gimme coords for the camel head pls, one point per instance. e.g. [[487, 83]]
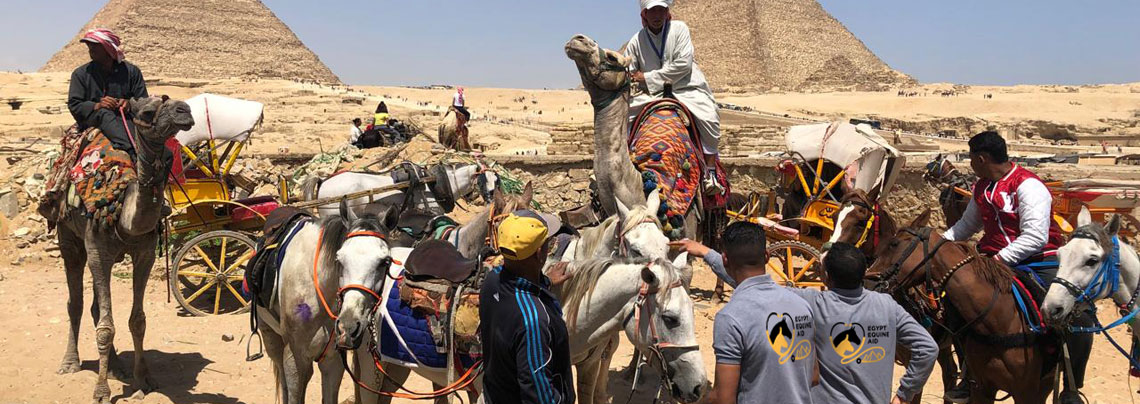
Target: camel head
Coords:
[[602, 70], [160, 118]]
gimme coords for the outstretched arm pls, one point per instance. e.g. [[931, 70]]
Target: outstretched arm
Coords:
[[711, 257]]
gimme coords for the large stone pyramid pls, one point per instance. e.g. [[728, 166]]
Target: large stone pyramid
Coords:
[[205, 39], [780, 44]]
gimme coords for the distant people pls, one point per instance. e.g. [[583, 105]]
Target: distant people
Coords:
[[662, 52], [857, 332], [763, 337], [99, 90], [355, 133], [381, 115]]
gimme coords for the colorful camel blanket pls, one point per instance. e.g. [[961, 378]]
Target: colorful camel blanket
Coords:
[[70, 146], [669, 160], [99, 179]]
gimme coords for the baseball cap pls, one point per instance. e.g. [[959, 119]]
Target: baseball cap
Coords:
[[523, 232], [648, 4]]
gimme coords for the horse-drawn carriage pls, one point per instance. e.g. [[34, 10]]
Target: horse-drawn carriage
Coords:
[[825, 162]]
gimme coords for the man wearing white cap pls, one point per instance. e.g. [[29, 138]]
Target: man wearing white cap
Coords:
[[662, 52]]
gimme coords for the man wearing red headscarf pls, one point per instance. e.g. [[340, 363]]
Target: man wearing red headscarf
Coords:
[[97, 97]]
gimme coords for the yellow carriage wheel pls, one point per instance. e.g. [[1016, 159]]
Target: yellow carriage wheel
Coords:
[[795, 263], [208, 272]]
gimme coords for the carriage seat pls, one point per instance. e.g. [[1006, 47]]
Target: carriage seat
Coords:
[[437, 259], [258, 206]]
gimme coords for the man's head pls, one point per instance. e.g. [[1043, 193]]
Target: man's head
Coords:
[[845, 265], [988, 155], [103, 46], [522, 238], [356, 121], [655, 13], [744, 250]]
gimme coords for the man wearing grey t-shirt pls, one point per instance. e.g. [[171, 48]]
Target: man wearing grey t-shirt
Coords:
[[763, 338]]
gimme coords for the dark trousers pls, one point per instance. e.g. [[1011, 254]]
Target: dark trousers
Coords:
[[1080, 345], [464, 111], [111, 123]]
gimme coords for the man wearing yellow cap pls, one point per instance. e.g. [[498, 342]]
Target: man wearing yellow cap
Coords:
[[526, 349]]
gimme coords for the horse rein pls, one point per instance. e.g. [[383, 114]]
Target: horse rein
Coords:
[[652, 339]]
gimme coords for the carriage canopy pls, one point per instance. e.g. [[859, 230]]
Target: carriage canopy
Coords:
[[869, 160], [220, 118]]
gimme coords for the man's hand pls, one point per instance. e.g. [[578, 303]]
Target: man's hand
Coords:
[[692, 247], [898, 400], [108, 103], [638, 77]]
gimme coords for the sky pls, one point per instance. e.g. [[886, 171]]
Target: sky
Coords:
[[518, 43]]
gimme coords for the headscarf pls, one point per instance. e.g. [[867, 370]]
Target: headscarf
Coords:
[[459, 100], [108, 39]]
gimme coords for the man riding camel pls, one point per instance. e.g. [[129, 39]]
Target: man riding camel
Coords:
[[99, 90], [662, 53], [1014, 210]]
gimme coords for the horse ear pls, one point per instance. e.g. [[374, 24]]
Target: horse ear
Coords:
[[653, 202], [527, 195], [874, 194], [922, 220], [623, 211], [1113, 225], [1085, 217], [391, 217], [345, 212], [497, 198], [649, 277]]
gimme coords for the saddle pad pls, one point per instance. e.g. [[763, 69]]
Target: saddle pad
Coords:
[[414, 330], [70, 146], [100, 177], [663, 151]]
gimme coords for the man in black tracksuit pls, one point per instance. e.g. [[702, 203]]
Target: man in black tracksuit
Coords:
[[526, 349]]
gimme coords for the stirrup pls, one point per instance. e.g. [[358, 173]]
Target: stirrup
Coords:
[[260, 347]]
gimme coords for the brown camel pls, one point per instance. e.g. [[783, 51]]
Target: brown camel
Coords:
[[86, 241], [453, 131]]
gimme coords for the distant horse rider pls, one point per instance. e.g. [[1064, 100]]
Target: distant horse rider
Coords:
[[99, 90], [662, 52]]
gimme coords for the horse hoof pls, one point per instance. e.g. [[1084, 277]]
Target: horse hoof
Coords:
[[144, 385], [68, 366]]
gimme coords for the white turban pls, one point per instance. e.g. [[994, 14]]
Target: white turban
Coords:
[[648, 4]]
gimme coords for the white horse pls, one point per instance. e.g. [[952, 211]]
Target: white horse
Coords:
[[1090, 264], [665, 324], [298, 326], [464, 180]]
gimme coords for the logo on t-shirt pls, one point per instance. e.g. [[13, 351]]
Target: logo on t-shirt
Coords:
[[788, 336], [854, 343]]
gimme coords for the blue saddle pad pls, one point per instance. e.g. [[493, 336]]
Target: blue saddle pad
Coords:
[[414, 329]]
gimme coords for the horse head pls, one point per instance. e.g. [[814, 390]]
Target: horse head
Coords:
[[855, 220], [475, 179], [898, 262], [363, 256], [638, 232], [665, 330], [1088, 264]]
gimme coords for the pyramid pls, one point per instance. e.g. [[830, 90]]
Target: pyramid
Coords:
[[766, 45], [201, 39]]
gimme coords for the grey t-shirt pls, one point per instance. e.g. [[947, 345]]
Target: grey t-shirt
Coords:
[[768, 331], [856, 334]]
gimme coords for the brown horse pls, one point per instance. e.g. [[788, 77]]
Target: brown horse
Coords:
[[969, 297], [942, 174], [857, 210]]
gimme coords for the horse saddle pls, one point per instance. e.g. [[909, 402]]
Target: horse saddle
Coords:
[[422, 225], [261, 272], [437, 259]]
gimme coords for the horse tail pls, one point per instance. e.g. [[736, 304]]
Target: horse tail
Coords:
[[310, 187]]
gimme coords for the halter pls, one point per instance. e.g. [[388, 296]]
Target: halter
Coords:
[[157, 180], [384, 264], [921, 235], [605, 66], [870, 222], [619, 236], [1106, 278], [652, 339]]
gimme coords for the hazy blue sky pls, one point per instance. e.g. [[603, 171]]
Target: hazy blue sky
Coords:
[[518, 43]]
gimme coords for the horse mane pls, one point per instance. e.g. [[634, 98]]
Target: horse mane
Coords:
[[335, 230], [581, 283], [992, 271]]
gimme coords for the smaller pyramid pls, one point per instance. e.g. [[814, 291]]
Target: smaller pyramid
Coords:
[[201, 39]]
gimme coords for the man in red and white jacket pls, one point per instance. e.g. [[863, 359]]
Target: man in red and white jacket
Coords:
[[1014, 209]]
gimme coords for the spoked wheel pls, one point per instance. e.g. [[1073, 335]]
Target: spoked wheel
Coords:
[[208, 272], [795, 263]]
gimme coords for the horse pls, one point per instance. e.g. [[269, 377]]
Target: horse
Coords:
[[462, 181], [941, 173], [664, 324], [863, 222], [970, 297], [339, 260]]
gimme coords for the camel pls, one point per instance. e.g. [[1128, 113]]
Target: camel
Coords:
[[84, 241], [453, 133]]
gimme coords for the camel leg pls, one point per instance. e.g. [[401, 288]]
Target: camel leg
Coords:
[[332, 373], [718, 291], [117, 370], [142, 259], [99, 263], [298, 371], [74, 260]]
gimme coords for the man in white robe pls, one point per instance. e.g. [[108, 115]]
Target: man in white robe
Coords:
[[662, 52]]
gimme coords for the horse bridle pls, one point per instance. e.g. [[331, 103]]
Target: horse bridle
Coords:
[[384, 266], [653, 340], [619, 235], [1107, 276], [870, 221]]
